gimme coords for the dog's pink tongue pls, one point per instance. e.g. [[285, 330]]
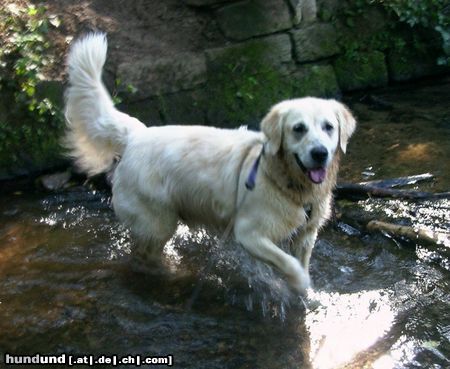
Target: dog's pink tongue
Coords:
[[317, 175]]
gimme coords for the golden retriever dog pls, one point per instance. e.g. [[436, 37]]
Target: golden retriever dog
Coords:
[[271, 186]]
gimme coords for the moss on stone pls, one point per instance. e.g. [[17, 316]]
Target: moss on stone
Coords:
[[316, 80], [314, 42], [243, 85], [361, 70], [246, 19]]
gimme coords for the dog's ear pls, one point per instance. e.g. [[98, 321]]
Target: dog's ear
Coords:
[[347, 125], [271, 126]]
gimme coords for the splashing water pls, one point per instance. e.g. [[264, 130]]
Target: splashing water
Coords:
[[225, 266], [243, 279]]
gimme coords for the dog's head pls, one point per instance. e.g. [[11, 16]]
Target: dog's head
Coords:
[[309, 130]]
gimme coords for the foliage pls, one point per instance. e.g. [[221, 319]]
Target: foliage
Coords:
[[118, 91], [28, 118], [427, 15], [432, 14]]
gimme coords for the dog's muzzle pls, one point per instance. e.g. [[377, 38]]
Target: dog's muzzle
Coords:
[[316, 175]]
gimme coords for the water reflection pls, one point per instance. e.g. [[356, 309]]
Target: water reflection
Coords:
[[344, 325], [401, 352]]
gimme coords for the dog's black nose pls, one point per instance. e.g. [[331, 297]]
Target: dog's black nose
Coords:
[[319, 154]]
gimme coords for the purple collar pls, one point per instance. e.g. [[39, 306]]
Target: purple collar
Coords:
[[251, 179]]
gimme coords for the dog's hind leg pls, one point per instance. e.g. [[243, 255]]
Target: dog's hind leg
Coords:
[[147, 254], [152, 224]]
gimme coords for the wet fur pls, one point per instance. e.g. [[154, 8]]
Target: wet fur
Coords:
[[197, 174]]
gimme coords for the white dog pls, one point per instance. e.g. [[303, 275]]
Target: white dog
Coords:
[[271, 186]]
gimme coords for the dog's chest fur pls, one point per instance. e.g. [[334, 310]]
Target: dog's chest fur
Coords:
[[274, 215], [291, 208]]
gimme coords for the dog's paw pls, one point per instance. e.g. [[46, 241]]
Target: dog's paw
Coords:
[[299, 279]]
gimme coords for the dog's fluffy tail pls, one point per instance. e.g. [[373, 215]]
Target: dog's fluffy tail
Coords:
[[96, 131]]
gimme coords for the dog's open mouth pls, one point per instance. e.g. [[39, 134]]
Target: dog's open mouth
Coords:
[[316, 175]]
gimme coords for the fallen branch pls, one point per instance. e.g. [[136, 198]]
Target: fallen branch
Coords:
[[400, 181], [415, 234], [357, 191]]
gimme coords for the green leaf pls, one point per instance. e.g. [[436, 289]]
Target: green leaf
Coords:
[[32, 11], [131, 89], [30, 90]]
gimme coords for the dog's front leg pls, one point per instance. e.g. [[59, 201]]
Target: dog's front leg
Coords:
[[304, 239], [264, 249], [302, 245]]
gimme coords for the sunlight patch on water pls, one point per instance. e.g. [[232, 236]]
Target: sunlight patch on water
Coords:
[[170, 250], [403, 351], [70, 217], [120, 242], [424, 152], [50, 220], [344, 325], [434, 256], [434, 215]]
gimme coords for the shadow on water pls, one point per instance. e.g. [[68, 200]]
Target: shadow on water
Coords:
[[67, 285]]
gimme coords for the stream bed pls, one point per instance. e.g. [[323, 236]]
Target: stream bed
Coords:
[[67, 285]]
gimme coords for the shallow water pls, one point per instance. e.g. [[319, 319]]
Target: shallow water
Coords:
[[67, 285]]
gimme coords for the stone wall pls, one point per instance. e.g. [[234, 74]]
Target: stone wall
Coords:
[[288, 48], [222, 62]]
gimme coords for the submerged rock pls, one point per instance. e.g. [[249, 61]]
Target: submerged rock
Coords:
[[55, 181]]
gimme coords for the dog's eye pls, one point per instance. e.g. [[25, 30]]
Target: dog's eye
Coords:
[[328, 127], [299, 128]]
